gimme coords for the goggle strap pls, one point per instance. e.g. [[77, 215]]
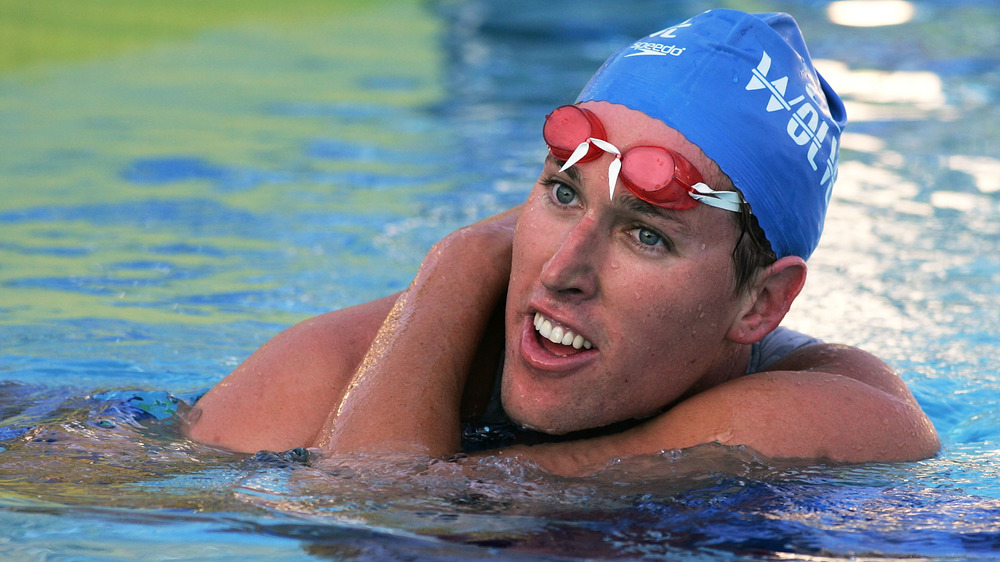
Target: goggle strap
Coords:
[[605, 146], [616, 165], [725, 200], [578, 154], [613, 170]]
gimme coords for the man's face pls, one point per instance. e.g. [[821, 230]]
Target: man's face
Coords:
[[648, 290]]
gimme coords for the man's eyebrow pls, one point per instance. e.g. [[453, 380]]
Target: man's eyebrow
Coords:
[[627, 201], [633, 204], [572, 172]]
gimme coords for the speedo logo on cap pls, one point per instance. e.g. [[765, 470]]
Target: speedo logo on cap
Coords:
[[805, 126], [659, 49]]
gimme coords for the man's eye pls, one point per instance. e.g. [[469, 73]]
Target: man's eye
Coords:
[[648, 237], [564, 193]]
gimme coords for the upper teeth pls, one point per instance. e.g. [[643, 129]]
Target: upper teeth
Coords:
[[558, 334]]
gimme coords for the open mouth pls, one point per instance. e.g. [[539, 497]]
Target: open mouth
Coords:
[[559, 335]]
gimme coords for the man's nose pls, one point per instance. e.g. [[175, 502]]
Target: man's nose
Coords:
[[572, 269]]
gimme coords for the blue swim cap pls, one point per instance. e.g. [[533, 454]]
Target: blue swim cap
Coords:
[[743, 88]]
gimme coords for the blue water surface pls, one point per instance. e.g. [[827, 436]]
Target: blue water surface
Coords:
[[168, 209]]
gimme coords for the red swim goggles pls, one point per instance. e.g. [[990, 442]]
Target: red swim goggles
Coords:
[[653, 173]]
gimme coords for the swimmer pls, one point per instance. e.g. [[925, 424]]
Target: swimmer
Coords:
[[631, 305]]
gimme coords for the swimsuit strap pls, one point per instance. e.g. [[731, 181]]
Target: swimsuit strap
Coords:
[[775, 346]]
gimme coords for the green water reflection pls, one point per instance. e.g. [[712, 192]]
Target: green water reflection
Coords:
[[95, 93], [67, 30]]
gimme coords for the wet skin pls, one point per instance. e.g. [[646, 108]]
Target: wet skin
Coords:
[[650, 291], [650, 288]]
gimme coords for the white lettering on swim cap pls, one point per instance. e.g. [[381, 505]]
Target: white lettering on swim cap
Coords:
[[804, 124], [659, 49], [646, 48], [668, 33]]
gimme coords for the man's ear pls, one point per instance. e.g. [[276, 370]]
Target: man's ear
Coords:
[[768, 300]]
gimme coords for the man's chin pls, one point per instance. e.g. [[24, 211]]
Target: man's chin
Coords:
[[543, 429], [552, 417], [532, 423], [573, 428], [543, 424]]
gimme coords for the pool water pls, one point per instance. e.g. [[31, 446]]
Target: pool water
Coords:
[[169, 204]]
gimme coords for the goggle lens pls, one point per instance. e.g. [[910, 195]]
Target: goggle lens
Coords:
[[568, 126], [652, 173]]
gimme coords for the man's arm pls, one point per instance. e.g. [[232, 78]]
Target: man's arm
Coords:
[[287, 394], [406, 395], [280, 397], [822, 402]]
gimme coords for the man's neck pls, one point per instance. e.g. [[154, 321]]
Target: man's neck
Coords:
[[732, 364]]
